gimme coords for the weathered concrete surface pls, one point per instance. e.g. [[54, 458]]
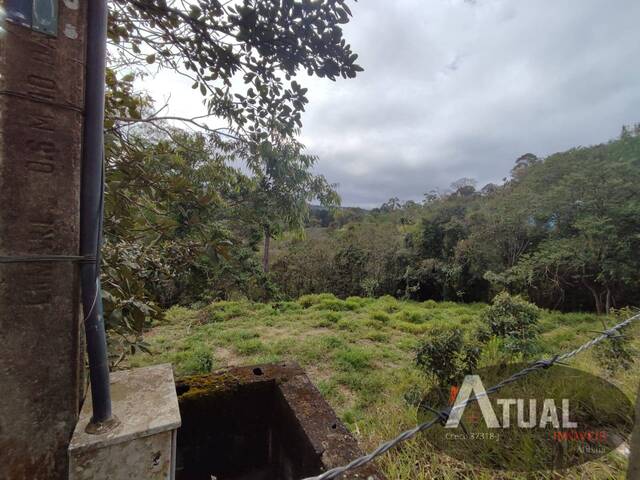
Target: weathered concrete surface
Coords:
[[140, 447], [261, 422], [41, 101]]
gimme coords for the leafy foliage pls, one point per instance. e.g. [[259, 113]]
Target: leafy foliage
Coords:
[[561, 232], [263, 43], [444, 353], [183, 223], [515, 320]]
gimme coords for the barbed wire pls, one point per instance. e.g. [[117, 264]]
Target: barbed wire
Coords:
[[444, 414]]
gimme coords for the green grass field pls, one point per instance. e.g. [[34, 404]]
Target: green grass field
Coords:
[[360, 354]]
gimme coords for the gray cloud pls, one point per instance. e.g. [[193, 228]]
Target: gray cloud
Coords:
[[460, 89]]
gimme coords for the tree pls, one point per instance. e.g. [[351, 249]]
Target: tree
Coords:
[[563, 236], [180, 222], [285, 188], [464, 187], [263, 44], [587, 206], [176, 227], [523, 163]]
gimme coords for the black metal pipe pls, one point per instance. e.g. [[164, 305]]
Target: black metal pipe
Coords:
[[91, 201]]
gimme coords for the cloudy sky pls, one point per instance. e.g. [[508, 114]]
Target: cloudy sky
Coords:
[[457, 88]]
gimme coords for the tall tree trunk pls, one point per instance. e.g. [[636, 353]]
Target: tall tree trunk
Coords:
[[597, 298], [265, 254]]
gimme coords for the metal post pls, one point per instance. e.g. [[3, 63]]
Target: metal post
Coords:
[[91, 202]]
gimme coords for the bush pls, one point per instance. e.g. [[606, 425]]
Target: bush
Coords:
[[515, 320], [444, 354]]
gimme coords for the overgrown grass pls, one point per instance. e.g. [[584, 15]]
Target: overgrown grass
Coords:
[[360, 354]]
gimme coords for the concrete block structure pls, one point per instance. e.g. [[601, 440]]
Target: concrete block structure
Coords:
[[261, 422], [143, 444]]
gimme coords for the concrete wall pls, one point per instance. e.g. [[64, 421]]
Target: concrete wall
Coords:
[[41, 101]]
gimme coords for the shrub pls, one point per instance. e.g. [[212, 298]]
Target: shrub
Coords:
[[444, 354], [515, 320], [414, 396], [370, 286]]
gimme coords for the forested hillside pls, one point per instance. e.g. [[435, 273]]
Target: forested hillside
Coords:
[[183, 226], [564, 231]]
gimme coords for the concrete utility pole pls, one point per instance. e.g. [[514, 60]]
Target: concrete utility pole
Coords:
[[42, 52]]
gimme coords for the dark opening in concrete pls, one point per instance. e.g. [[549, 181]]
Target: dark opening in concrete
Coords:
[[265, 422]]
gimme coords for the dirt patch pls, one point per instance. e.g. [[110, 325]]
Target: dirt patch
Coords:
[[226, 357]]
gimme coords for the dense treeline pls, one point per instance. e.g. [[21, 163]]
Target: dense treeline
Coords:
[[564, 231]]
